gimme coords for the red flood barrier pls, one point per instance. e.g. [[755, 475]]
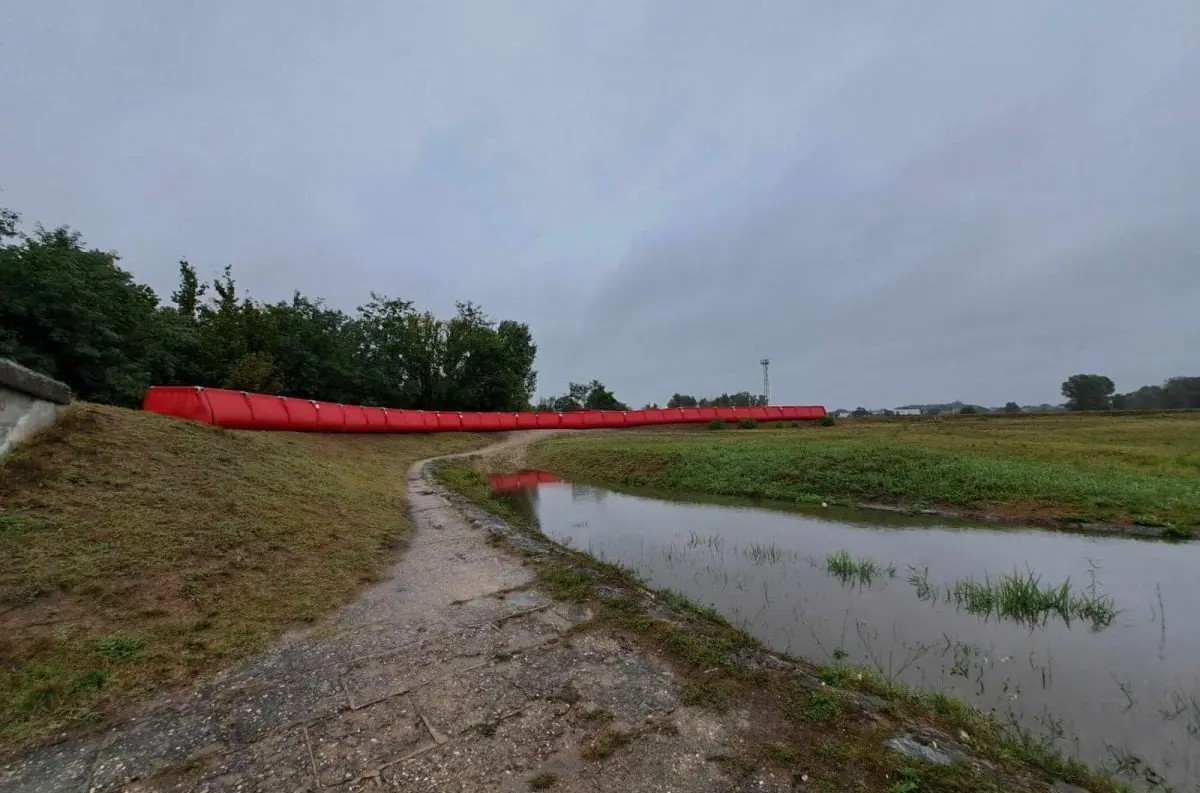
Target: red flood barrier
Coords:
[[240, 410]]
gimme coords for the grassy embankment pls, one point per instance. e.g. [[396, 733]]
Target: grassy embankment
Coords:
[[140, 552], [1054, 470], [810, 722]]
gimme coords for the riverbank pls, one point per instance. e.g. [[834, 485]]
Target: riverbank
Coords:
[[824, 727], [141, 553], [1135, 474]]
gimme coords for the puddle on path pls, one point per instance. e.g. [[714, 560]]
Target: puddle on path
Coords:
[[1125, 695]]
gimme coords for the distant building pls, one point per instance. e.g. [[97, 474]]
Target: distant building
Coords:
[[907, 411], [841, 414]]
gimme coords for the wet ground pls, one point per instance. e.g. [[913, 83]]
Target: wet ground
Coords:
[[1123, 693]]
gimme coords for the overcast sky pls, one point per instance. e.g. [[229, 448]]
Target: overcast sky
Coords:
[[896, 202]]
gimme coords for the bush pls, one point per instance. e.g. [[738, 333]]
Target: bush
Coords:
[[747, 424], [826, 421], [716, 424]]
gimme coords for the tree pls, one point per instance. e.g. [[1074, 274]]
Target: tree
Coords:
[[1012, 407], [1088, 392], [860, 411], [72, 313], [968, 410], [583, 396], [682, 401]]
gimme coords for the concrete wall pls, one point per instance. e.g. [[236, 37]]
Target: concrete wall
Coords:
[[28, 402]]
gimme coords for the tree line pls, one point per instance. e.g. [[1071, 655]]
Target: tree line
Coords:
[[741, 399], [1097, 392], [71, 312]]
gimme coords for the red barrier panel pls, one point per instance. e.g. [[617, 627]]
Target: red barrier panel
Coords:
[[302, 414], [572, 421], [376, 419], [612, 418], [240, 410], [184, 402], [268, 412], [330, 417], [548, 421], [230, 409], [521, 480], [449, 422], [404, 421], [592, 419], [356, 420]]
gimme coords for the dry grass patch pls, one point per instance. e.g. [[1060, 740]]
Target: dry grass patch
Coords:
[[141, 551]]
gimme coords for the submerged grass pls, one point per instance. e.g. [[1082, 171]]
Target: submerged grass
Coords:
[[1057, 470], [808, 719], [1021, 597], [861, 571], [141, 552]]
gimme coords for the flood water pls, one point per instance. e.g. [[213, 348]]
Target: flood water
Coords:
[[1125, 696]]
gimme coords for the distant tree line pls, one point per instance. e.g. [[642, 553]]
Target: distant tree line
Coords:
[[69, 311], [741, 399], [582, 396], [1097, 392]]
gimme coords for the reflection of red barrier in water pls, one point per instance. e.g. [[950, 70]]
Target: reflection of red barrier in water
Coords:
[[502, 483], [238, 410]]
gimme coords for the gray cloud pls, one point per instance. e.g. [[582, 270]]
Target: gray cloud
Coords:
[[895, 202]]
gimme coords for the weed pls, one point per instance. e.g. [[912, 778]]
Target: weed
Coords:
[[120, 649], [607, 743], [747, 424], [90, 681], [598, 716], [813, 706], [542, 781], [1023, 598], [862, 571], [502, 657], [784, 754], [836, 676], [486, 729], [909, 781], [718, 694], [716, 424], [826, 421]]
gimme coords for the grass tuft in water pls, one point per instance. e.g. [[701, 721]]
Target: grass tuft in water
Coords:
[[862, 571], [1023, 598]]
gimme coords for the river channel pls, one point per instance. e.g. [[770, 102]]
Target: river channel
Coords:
[[1123, 693]]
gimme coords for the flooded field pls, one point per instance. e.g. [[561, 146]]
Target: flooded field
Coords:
[[1090, 643]]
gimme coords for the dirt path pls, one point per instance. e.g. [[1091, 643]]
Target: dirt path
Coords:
[[455, 674]]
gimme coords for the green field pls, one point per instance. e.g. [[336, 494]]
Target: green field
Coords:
[[1054, 470]]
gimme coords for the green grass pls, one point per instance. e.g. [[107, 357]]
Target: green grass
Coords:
[[1021, 597], [1142, 469], [861, 571], [141, 552]]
